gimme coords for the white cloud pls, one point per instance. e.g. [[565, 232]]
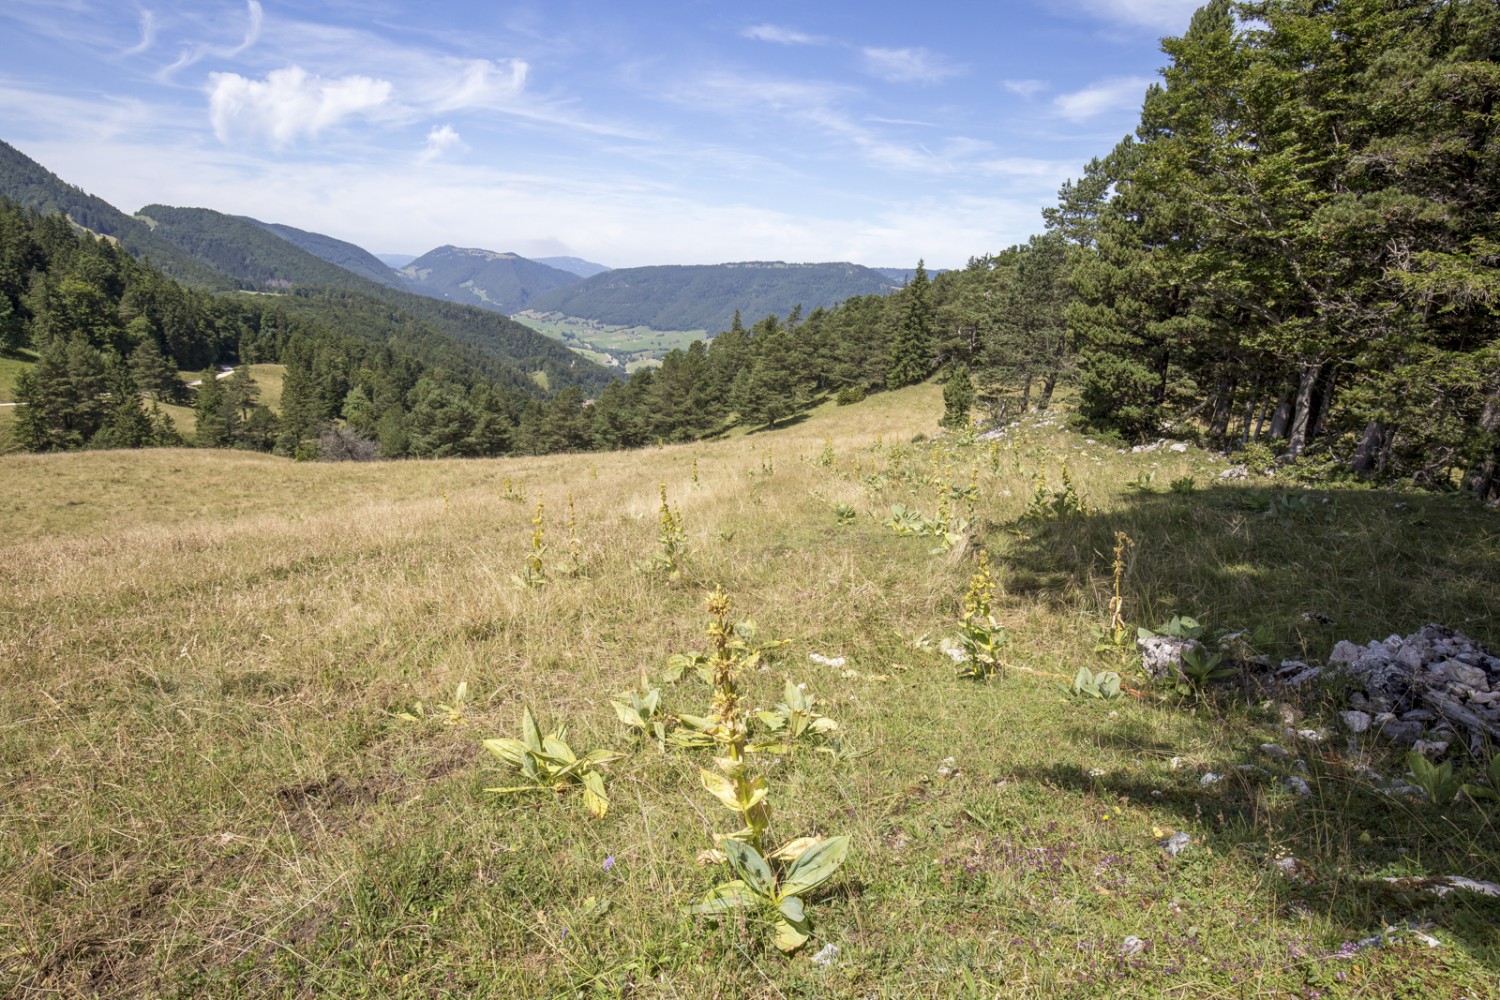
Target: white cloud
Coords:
[[481, 84], [289, 104], [252, 31], [1165, 15], [1115, 94], [442, 139], [780, 35], [148, 34], [908, 65], [1026, 88], [255, 17]]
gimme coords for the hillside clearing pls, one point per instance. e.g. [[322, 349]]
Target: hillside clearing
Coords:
[[208, 790]]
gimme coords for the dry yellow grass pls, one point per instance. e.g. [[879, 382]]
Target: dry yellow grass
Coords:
[[207, 792]]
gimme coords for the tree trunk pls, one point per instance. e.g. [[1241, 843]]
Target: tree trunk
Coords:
[[1369, 447], [1325, 402], [1282, 418], [1049, 382], [1302, 408], [1026, 394], [1484, 478], [1218, 424], [1249, 414]]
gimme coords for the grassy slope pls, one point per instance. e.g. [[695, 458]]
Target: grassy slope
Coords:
[[207, 794]]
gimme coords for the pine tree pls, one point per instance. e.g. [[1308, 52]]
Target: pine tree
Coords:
[[958, 399], [126, 422], [911, 353], [212, 424]]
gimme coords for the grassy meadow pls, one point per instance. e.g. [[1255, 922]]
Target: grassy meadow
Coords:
[[207, 790]]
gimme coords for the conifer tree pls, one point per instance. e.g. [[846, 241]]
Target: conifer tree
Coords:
[[911, 353]]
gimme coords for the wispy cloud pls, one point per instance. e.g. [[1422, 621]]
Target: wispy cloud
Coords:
[[255, 17], [1107, 95], [1026, 88], [148, 34], [482, 84], [781, 36], [908, 65], [288, 104]]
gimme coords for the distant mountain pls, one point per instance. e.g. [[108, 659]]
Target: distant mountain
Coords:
[[396, 261], [705, 296], [573, 265], [902, 275], [254, 254], [33, 186], [345, 255], [504, 282]]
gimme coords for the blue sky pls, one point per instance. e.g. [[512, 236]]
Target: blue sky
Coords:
[[629, 134]]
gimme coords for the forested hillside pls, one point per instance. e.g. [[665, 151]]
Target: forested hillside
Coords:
[[504, 282], [264, 259], [338, 252], [32, 186], [102, 339], [706, 296]]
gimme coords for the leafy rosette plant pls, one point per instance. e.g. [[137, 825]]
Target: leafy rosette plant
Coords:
[[549, 764], [792, 720], [757, 888], [641, 710]]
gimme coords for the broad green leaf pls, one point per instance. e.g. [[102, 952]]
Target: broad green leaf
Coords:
[[720, 788], [823, 724], [726, 897], [557, 750], [628, 715], [792, 909], [531, 733], [771, 720], [511, 751], [752, 794], [816, 866], [602, 757], [593, 794], [794, 849], [730, 767], [790, 936], [747, 863]]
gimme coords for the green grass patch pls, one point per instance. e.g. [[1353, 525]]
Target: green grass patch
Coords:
[[210, 792]]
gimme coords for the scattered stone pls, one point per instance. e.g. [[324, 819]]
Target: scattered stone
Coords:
[[827, 661], [1235, 472], [1435, 675], [1177, 843], [1179, 447], [1356, 721], [1132, 946], [1312, 735], [1441, 885], [1295, 869], [1432, 749], [826, 955], [1162, 655], [1275, 752], [1299, 785], [1210, 779]]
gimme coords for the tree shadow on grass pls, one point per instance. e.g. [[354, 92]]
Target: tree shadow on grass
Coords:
[[1315, 566], [1346, 839]]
